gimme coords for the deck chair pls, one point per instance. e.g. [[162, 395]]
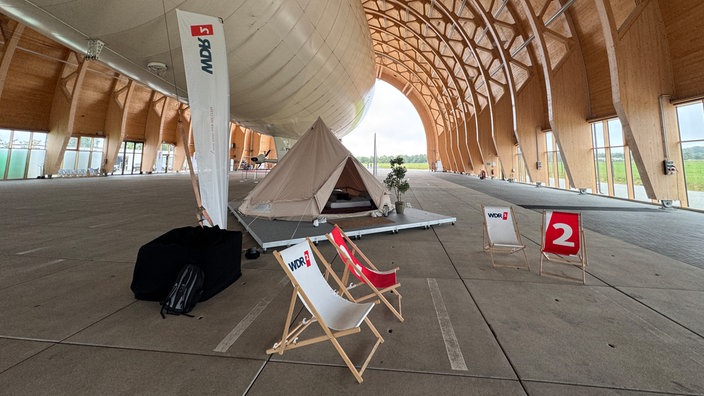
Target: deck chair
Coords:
[[379, 282], [563, 242], [501, 234], [335, 315]]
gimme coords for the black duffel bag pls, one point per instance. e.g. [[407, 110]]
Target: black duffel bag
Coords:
[[217, 252]]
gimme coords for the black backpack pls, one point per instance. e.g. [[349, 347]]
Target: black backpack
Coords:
[[186, 291]]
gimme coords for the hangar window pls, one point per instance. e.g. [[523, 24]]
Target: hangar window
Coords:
[[555, 166], [21, 154], [83, 156], [690, 118], [165, 159], [615, 171], [129, 158]]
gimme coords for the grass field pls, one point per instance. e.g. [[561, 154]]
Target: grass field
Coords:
[[423, 165], [694, 172]]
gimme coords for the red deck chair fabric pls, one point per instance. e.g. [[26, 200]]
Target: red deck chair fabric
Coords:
[[378, 281], [563, 242]]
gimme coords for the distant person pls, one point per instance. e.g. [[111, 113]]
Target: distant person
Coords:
[[482, 174]]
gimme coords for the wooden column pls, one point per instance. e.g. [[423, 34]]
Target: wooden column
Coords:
[[531, 119], [153, 131], [504, 137], [179, 152], [115, 121], [63, 111], [8, 53], [641, 77]]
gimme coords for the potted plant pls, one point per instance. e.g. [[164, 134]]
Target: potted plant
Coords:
[[396, 182]]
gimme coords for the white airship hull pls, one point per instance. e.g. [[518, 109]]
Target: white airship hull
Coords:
[[290, 61]]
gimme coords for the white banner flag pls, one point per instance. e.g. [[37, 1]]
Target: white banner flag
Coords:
[[205, 61]]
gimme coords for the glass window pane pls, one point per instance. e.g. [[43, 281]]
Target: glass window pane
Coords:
[[69, 160], [85, 143], [96, 160], [98, 144], [690, 118], [615, 132], [638, 189], [20, 140], [548, 141], [3, 161], [38, 140], [618, 168], [36, 163], [598, 134], [561, 175], [72, 143], [18, 162], [5, 138], [83, 157], [602, 176], [693, 154]]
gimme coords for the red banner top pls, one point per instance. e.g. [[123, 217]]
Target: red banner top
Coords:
[[201, 30]]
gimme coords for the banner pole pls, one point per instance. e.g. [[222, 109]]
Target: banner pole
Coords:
[[201, 214]]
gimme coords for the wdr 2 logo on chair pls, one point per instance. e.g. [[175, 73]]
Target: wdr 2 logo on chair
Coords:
[[299, 262], [562, 234], [497, 215]]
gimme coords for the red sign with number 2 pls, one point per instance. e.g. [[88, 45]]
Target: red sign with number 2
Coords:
[[562, 233]]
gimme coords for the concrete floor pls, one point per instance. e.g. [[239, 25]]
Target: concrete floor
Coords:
[[70, 324]]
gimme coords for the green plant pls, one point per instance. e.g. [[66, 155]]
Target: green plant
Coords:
[[396, 179]]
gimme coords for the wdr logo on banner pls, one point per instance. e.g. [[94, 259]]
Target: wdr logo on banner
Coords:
[[201, 30], [206, 55], [497, 215]]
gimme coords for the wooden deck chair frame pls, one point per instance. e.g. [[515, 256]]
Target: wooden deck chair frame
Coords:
[[578, 260], [492, 246], [290, 338], [363, 280]]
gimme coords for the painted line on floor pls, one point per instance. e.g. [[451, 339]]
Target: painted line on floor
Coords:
[[32, 250], [253, 314], [454, 353], [48, 263]]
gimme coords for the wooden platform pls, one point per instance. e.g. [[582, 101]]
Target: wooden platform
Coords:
[[275, 233]]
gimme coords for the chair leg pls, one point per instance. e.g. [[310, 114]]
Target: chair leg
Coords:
[[391, 307]]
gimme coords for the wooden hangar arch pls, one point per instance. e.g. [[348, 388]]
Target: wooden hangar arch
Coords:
[[490, 78]]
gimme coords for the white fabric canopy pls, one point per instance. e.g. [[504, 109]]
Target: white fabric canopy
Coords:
[[300, 184]]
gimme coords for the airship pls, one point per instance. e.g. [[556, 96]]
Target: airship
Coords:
[[289, 61]]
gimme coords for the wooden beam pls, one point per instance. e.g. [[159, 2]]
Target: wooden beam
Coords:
[[153, 131], [8, 52], [179, 151], [115, 121], [63, 112], [504, 137], [567, 103], [530, 112], [639, 80]]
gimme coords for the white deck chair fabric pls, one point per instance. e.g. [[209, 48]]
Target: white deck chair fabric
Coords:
[[500, 226], [335, 311], [501, 233]]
